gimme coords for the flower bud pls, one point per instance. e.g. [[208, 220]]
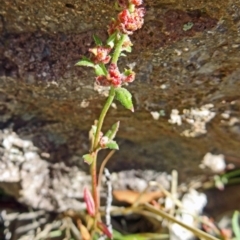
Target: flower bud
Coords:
[[88, 199], [103, 141], [101, 54]]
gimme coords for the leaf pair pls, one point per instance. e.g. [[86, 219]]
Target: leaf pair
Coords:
[[100, 69], [110, 143], [124, 97]]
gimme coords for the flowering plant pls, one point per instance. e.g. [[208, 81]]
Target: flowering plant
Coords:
[[104, 61]]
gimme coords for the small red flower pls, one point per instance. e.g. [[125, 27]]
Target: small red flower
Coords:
[[114, 77], [88, 199], [129, 78], [114, 71], [136, 2], [112, 27], [127, 21], [130, 22], [103, 81], [101, 54], [124, 16]]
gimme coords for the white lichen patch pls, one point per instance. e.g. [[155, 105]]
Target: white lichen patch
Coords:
[[226, 115], [175, 118], [193, 203], [196, 117], [84, 103], [34, 181], [155, 115], [215, 162], [233, 121]]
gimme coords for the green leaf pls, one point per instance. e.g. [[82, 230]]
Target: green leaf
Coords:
[[117, 6], [112, 145], [111, 133], [100, 70], [127, 72], [85, 62], [140, 236], [94, 129], [125, 98], [97, 40], [104, 69], [235, 224], [187, 26], [123, 55], [127, 49], [111, 40], [88, 158]]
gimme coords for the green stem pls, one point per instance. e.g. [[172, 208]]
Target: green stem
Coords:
[[93, 168], [94, 147], [118, 48], [102, 117], [111, 96]]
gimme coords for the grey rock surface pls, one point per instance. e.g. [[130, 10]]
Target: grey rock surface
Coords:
[[186, 95]]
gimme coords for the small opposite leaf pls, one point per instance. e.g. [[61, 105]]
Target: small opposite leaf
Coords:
[[85, 62], [124, 97], [127, 49], [127, 72], [111, 40], [111, 133], [235, 224], [104, 69], [123, 55], [94, 129], [88, 158], [97, 40], [83, 230], [112, 145], [100, 71]]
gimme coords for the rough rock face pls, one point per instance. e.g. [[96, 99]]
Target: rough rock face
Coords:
[[186, 94]]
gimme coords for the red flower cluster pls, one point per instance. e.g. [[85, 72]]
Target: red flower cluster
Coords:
[[127, 21], [130, 22], [114, 77], [125, 3], [136, 2], [101, 54], [129, 78]]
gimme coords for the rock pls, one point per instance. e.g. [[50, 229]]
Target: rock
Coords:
[[26, 175], [186, 57]]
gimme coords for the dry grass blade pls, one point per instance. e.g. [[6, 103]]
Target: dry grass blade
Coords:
[[199, 233], [136, 198], [47, 229], [84, 231]]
